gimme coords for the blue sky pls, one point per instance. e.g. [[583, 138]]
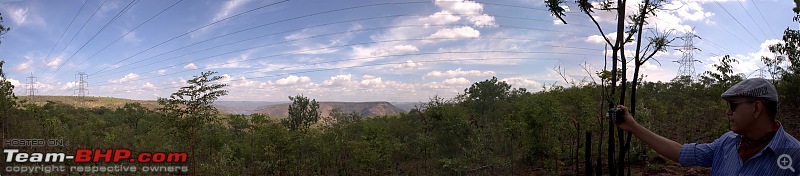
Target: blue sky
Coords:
[[350, 50]]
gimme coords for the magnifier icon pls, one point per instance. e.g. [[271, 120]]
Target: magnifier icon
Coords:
[[785, 162]]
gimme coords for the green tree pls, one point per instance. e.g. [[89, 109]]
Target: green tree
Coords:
[[193, 105], [302, 113], [7, 99], [789, 77], [487, 97], [488, 90], [3, 29], [626, 30], [725, 76]]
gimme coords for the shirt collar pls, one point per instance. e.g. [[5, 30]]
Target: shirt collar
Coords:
[[778, 140]]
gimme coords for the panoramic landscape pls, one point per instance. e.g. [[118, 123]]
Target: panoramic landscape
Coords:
[[434, 87]]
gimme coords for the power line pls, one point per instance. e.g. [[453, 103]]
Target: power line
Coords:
[[95, 35], [126, 34], [267, 24], [303, 16], [65, 30], [311, 37], [530, 28], [723, 28], [298, 29], [374, 57], [751, 18], [277, 22], [762, 16], [380, 64], [719, 46], [79, 31], [196, 29], [737, 20]]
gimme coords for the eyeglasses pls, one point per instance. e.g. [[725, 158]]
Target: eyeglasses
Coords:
[[732, 105]]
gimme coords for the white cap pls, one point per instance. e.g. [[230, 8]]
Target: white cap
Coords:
[[753, 87]]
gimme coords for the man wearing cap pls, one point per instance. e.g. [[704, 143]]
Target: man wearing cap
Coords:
[[752, 147]]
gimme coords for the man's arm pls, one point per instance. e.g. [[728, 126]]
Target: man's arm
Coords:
[[663, 146]]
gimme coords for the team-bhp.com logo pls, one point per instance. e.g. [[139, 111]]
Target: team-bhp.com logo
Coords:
[[87, 160], [96, 156]]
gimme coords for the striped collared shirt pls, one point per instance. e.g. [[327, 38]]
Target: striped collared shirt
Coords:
[[723, 157]]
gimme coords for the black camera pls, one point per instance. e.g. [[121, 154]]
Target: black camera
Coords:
[[616, 115]]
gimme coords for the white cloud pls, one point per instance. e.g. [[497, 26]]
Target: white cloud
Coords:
[[228, 8], [148, 86], [162, 71], [689, 9], [458, 72], [69, 85], [131, 38], [292, 80], [22, 16], [748, 63], [229, 64], [369, 80], [531, 85], [397, 49], [596, 39], [361, 52], [409, 65], [23, 66], [483, 20], [459, 32], [14, 82], [668, 21], [439, 18], [299, 35], [456, 81], [54, 63], [190, 66], [126, 78], [338, 80], [235, 62], [460, 6]]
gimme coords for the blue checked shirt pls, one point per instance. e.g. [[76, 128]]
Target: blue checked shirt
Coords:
[[722, 156]]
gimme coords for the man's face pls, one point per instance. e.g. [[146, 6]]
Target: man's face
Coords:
[[741, 113]]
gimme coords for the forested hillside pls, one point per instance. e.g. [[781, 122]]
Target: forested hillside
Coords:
[[366, 109]]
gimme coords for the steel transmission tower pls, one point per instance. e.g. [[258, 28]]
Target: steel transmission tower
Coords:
[[82, 84], [31, 87], [687, 60]]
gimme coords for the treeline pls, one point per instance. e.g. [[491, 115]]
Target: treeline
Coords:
[[490, 129]]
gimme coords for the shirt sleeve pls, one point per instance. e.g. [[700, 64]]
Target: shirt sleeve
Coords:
[[694, 154]]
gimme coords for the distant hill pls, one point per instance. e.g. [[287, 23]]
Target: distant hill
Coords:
[[365, 109], [275, 109], [407, 106], [242, 107], [225, 107], [90, 101]]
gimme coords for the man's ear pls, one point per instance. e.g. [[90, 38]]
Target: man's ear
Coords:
[[758, 106]]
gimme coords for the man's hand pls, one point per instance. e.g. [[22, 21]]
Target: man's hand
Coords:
[[666, 147], [629, 123]]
